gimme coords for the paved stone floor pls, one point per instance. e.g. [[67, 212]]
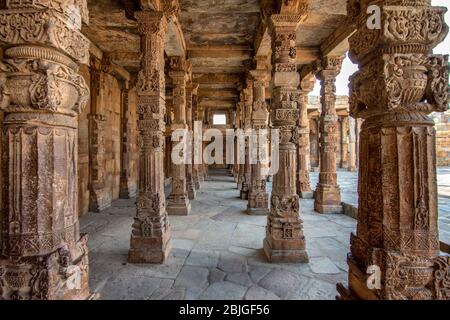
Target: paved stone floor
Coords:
[[348, 181], [216, 253]]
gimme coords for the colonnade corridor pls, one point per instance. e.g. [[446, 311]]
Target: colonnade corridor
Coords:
[[217, 252]]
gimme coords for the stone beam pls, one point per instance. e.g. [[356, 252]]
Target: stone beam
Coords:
[[219, 94], [337, 43]]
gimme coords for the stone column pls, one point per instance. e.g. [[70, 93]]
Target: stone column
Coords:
[[128, 187], [43, 256], [196, 168], [258, 197], [150, 237], [303, 165], [328, 195], [398, 84], [352, 144], [191, 90], [200, 117], [240, 178], [284, 240], [178, 202], [247, 168], [344, 142], [100, 198]]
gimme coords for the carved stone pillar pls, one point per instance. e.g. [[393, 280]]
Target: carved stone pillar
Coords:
[[344, 142], [240, 178], [247, 168], [303, 165], [150, 237], [196, 168], [398, 84], [178, 202], [200, 118], [352, 144], [128, 187], [191, 90], [284, 240], [43, 256], [100, 198], [328, 195], [258, 197]]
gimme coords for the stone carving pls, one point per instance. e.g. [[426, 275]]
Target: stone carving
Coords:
[[284, 240], [128, 187], [327, 196], [178, 201], [399, 83], [190, 180], [258, 197], [41, 95], [150, 237], [302, 140]]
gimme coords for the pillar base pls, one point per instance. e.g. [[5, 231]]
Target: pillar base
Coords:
[[306, 194], [129, 192], [153, 250], [285, 254], [258, 211], [244, 195], [60, 275], [327, 199], [192, 194], [100, 201], [352, 169], [178, 207]]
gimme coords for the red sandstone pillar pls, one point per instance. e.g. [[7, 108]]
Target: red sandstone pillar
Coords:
[[398, 84], [150, 237], [327, 195]]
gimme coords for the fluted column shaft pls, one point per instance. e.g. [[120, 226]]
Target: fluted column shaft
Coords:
[[150, 237], [327, 195]]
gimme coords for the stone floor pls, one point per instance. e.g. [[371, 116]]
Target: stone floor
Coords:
[[216, 253], [348, 181]]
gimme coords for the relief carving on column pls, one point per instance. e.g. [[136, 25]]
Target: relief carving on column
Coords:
[[150, 238], [41, 95], [248, 110], [399, 83], [303, 183], [191, 91], [327, 195], [100, 197], [284, 240], [178, 201], [258, 197], [128, 187]]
